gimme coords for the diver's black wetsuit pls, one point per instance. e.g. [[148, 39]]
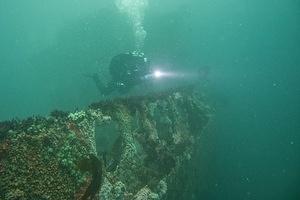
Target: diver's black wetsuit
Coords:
[[127, 70]]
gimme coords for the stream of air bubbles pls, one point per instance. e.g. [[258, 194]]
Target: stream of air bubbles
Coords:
[[135, 10]]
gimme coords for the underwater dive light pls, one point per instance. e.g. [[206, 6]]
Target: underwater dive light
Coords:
[[158, 74]]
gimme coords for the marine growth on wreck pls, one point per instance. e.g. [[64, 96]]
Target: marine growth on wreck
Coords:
[[66, 156]]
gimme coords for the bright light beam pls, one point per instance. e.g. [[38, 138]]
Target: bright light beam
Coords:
[[158, 74]]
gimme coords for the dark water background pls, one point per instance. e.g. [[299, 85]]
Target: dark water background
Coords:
[[252, 148]]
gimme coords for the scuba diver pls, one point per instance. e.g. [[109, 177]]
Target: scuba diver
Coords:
[[127, 70]]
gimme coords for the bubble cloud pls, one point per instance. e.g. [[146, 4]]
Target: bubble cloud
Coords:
[[135, 10]]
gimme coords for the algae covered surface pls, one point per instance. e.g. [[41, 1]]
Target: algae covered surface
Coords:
[[59, 157]]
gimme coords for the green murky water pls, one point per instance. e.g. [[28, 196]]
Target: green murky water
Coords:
[[251, 48]]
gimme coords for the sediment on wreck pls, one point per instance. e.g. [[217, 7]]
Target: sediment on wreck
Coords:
[[62, 156]]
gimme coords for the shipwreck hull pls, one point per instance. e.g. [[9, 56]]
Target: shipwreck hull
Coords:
[[62, 156]]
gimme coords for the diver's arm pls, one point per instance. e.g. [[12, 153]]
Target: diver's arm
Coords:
[[104, 89]]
